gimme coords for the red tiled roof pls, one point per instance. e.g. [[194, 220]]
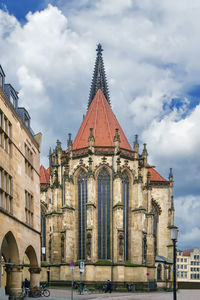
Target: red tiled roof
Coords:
[[187, 252], [44, 174], [101, 118], [155, 176]]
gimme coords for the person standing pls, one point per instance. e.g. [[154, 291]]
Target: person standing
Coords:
[[109, 287]]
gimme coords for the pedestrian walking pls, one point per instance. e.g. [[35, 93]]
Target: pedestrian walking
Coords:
[[109, 286]]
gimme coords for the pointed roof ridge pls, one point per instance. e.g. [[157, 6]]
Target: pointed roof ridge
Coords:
[[101, 118], [155, 176], [44, 174], [99, 78]]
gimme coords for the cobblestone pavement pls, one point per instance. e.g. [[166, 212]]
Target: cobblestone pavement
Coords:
[[181, 295], [61, 294]]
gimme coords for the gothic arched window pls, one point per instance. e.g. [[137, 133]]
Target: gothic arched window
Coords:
[[82, 214], [125, 199], [103, 215], [155, 226]]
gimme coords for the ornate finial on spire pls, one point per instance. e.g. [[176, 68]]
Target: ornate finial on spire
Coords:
[[170, 174], [69, 142], [99, 77], [145, 154], [116, 141], [170, 177], [58, 144], [116, 137], [136, 145], [91, 141], [99, 49]]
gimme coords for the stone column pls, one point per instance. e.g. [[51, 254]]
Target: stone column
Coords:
[[117, 215], [14, 280], [137, 219], [34, 277], [150, 240], [8, 279], [92, 218]]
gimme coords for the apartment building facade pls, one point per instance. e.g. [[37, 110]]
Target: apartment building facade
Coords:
[[19, 192], [188, 265]]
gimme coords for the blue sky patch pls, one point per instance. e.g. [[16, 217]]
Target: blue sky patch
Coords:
[[20, 8], [194, 92], [184, 104]]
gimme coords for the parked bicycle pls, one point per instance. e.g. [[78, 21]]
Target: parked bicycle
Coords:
[[40, 292], [82, 289], [102, 288], [25, 292]]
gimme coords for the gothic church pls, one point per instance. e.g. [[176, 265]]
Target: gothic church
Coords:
[[102, 203]]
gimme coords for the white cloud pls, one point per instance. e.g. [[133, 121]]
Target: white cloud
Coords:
[[176, 138], [187, 217], [112, 7]]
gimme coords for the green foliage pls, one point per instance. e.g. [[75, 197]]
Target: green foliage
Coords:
[[68, 207], [103, 263]]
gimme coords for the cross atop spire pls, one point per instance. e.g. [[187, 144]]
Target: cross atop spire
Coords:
[[99, 49], [99, 77]]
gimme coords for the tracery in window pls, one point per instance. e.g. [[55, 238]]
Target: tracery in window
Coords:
[[125, 199], [104, 215], [82, 214], [155, 226]]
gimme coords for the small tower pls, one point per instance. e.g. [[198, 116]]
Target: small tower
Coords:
[[91, 141], [116, 141], [171, 177], [136, 145], [145, 154], [69, 142]]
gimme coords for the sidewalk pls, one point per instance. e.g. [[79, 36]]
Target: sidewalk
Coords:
[[181, 295], [62, 294]]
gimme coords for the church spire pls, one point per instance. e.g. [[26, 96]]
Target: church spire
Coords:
[[99, 78]]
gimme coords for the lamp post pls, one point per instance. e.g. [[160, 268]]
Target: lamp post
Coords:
[[174, 236]]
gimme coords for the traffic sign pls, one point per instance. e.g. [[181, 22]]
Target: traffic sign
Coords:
[[82, 266], [72, 265]]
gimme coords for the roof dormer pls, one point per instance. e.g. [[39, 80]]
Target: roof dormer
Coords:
[[24, 115], [11, 94]]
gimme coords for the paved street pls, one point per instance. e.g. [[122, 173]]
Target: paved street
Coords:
[[181, 295], [66, 295]]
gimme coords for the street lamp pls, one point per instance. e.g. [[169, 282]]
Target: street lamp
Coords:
[[174, 236]]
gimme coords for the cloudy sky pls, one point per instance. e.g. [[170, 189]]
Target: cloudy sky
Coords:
[[151, 56]]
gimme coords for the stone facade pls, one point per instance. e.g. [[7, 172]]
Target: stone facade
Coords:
[[62, 218], [19, 192], [104, 204]]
